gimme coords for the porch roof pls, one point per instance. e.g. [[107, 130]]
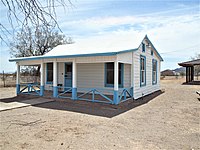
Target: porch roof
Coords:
[[95, 47]]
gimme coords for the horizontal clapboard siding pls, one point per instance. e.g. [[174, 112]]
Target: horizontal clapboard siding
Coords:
[[149, 88]]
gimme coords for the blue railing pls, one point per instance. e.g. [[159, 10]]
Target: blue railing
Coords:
[[30, 88], [125, 94], [89, 94], [65, 91]]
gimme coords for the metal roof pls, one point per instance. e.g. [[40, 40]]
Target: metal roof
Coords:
[[190, 63], [93, 47]]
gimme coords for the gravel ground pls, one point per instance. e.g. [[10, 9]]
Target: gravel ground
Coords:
[[168, 121]]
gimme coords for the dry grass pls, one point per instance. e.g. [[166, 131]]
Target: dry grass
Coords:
[[169, 121]]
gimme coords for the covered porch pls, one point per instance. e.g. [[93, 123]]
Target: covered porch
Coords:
[[106, 79], [190, 70]]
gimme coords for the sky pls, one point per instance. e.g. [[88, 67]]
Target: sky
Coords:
[[172, 26]]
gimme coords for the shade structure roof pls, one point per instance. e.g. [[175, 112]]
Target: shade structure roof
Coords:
[[190, 63]]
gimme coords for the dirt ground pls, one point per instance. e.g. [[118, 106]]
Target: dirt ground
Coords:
[[171, 121]]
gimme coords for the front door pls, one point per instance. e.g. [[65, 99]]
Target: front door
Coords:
[[68, 75]]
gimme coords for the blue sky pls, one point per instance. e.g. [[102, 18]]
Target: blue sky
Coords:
[[172, 26]]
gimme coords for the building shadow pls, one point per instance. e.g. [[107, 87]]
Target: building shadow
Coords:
[[85, 107], [98, 109]]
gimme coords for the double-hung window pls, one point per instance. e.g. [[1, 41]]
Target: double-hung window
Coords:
[[143, 47], [49, 73], [109, 74], [154, 71], [142, 70]]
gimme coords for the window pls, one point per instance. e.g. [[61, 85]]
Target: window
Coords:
[[49, 72], [154, 71], [109, 74], [143, 47], [142, 70], [151, 52]]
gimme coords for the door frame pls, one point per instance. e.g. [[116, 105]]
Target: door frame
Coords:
[[67, 63]]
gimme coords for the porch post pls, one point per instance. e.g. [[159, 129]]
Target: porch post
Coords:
[[42, 79], [18, 79], [132, 77], [116, 96], [192, 73], [74, 80], [55, 78]]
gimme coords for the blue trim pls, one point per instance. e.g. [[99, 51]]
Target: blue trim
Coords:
[[142, 84], [17, 89], [74, 93], [94, 91], [122, 76], [151, 52], [42, 90], [115, 97], [154, 82], [71, 56], [67, 63], [143, 47], [55, 91]]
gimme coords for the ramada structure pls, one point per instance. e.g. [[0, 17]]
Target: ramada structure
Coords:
[[110, 72], [190, 69]]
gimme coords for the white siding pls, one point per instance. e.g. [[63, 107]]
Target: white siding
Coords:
[[148, 88], [127, 75], [90, 75], [125, 57]]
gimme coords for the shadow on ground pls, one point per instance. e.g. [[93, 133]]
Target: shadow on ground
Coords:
[[192, 83], [97, 109]]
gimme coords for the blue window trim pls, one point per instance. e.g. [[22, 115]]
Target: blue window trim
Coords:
[[151, 52], [48, 82], [155, 82], [122, 76], [142, 84], [143, 47]]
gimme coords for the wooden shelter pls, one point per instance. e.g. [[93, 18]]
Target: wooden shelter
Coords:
[[190, 69]]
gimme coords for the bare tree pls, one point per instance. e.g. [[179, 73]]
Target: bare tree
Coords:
[[34, 42], [30, 12]]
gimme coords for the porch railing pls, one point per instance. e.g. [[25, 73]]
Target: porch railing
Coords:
[[64, 92], [95, 95], [30, 88], [125, 94]]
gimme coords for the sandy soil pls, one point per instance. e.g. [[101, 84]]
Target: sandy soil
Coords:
[[168, 121]]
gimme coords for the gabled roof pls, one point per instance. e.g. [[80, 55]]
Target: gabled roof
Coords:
[[190, 63], [93, 47]]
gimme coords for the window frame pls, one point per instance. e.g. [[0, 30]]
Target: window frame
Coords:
[[154, 82], [141, 71], [47, 72], [143, 47], [151, 52], [122, 75]]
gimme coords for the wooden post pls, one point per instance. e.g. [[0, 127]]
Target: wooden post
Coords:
[[192, 73], [74, 80], [18, 79], [116, 76], [42, 79], [55, 79]]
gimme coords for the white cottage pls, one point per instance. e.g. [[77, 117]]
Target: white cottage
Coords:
[[110, 71]]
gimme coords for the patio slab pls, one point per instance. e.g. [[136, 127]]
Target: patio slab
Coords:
[[25, 103]]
